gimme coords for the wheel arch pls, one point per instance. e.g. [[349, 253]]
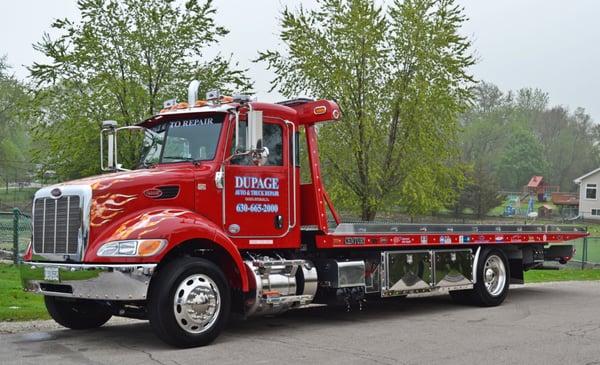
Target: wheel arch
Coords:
[[190, 234], [228, 259], [186, 232]]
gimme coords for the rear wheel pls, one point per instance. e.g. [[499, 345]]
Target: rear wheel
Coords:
[[493, 279], [189, 302], [77, 314]]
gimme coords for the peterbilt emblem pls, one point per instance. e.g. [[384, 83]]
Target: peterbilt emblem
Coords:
[[56, 193], [153, 193]]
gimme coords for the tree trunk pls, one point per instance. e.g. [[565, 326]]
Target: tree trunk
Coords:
[[368, 213]]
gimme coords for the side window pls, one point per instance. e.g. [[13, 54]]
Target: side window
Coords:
[[272, 139], [590, 191]]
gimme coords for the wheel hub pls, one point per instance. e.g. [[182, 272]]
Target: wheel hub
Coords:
[[489, 275], [494, 275], [197, 303], [200, 304]]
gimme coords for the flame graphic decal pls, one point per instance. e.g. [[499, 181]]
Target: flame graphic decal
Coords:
[[104, 184], [106, 207], [143, 224], [99, 186]]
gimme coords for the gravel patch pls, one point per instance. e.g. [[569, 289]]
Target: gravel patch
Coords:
[[29, 326], [48, 325]]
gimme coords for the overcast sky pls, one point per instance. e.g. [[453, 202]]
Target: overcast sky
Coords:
[[552, 45]]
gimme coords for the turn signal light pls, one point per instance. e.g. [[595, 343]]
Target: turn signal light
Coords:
[[149, 247]]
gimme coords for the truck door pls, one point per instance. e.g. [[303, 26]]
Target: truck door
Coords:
[[257, 201]]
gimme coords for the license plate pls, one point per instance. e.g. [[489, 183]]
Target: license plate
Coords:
[[51, 274]]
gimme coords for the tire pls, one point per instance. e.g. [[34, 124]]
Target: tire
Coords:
[[463, 297], [493, 280], [189, 302], [77, 314]]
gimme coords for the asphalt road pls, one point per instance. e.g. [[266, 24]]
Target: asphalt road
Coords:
[[556, 323]]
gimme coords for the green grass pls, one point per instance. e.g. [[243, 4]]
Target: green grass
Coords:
[[540, 276], [16, 305]]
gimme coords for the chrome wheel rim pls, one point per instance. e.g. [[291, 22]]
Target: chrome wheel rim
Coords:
[[197, 303], [494, 275]]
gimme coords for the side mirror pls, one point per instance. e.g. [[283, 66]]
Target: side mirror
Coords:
[[254, 146], [109, 131], [254, 138]]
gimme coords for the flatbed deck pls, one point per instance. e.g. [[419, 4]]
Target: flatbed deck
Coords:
[[392, 234]]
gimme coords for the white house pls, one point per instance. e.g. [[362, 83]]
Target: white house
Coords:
[[589, 194]]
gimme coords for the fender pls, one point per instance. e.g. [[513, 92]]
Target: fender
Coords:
[[476, 264], [172, 224]]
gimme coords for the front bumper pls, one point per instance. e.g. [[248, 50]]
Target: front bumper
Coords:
[[102, 282]]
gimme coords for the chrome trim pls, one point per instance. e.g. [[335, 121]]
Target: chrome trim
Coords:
[[277, 285], [85, 200], [293, 195], [103, 282], [476, 264], [400, 274]]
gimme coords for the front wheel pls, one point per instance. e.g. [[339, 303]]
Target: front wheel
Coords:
[[188, 303], [77, 314]]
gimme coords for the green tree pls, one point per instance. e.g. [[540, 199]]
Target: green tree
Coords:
[[14, 140], [558, 144], [120, 62], [571, 144], [481, 193], [484, 125], [399, 76], [522, 158]]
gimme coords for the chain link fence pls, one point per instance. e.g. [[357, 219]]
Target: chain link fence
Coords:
[[15, 233], [587, 254]]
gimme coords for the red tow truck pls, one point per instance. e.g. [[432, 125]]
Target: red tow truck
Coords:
[[215, 220]]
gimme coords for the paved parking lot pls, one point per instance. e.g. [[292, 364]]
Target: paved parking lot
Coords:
[[556, 323]]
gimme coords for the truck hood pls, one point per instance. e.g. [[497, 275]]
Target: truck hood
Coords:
[[112, 196]]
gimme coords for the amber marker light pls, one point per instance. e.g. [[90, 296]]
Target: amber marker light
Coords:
[[318, 110], [150, 247], [270, 293]]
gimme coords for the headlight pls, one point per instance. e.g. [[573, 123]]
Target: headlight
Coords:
[[130, 248]]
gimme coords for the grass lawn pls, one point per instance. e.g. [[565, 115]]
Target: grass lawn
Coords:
[[540, 276], [15, 304]]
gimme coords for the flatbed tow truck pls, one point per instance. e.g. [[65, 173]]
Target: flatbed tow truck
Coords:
[[215, 220]]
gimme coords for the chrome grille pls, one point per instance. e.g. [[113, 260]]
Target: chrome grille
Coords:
[[56, 225]]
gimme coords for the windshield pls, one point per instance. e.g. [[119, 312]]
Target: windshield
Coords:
[[189, 139]]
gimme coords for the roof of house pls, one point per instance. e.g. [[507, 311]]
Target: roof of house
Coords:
[[580, 178], [571, 199], [535, 182]]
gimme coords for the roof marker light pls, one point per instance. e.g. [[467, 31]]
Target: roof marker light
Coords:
[[318, 110]]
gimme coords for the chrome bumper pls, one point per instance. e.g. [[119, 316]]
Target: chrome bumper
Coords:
[[104, 282]]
